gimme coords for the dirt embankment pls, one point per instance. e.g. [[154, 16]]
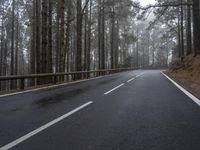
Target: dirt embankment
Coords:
[[187, 73]]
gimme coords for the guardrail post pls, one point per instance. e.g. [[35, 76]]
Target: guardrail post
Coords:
[[22, 84], [74, 76], [55, 79], [82, 75]]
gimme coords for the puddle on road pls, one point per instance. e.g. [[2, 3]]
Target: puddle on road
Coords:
[[60, 97]]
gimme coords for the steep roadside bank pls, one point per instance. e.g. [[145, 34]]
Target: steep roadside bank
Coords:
[[187, 73]]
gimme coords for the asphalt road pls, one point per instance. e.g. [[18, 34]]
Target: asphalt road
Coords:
[[136, 110]]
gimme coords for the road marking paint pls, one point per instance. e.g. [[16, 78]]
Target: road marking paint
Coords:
[[195, 99], [55, 86], [131, 80], [114, 89], [38, 130], [135, 77], [139, 75], [51, 86]]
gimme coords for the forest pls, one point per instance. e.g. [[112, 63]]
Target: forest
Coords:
[[48, 36]]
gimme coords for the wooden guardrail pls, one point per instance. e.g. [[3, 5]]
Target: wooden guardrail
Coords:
[[55, 76]]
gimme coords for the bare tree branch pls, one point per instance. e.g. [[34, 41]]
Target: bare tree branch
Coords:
[[158, 18], [161, 5], [82, 11], [86, 4]]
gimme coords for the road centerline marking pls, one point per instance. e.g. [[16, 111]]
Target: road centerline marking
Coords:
[[135, 77], [139, 75], [131, 80], [40, 129], [114, 89]]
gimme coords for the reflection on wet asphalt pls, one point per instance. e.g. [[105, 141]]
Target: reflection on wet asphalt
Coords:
[[58, 98], [54, 97], [68, 95]]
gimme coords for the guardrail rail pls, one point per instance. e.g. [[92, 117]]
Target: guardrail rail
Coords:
[[54, 76]]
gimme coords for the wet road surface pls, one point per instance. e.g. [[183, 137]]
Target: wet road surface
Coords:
[[136, 110]]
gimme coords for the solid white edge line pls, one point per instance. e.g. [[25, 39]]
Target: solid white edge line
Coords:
[[114, 89], [194, 98], [29, 135]]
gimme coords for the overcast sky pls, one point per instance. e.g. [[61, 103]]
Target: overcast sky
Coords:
[[146, 2]]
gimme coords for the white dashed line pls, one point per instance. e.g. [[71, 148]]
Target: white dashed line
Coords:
[[131, 80], [38, 130], [54, 86], [139, 75], [114, 89], [135, 77]]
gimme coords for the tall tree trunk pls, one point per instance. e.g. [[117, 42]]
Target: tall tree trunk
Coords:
[[137, 50], [89, 38], [37, 20], [103, 35], [62, 37], [112, 37], [116, 47], [1, 48], [67, 42], [5, 68], [167, 55], [17, 45], [2, 57], [79, 38], [182, 31], [196, 26], [153, 52], [49, 53], [57, 37], [85, 38], [43, 68], [188, 34], [179, 35], [33, 44], [12, 43], [99, 33]]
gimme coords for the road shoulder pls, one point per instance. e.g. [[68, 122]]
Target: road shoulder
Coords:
[[185, 88]]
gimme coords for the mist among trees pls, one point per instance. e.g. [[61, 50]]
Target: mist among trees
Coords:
[[47, 36]]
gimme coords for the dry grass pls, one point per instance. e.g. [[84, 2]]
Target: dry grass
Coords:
[[188, 68], [187, 73]]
